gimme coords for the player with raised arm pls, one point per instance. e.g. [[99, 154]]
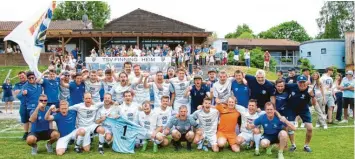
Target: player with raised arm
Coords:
[[76, 89], [109, 81], [177, 89], [273, 129], [121, 87], [93, 85], [222, 88], [50, 87], [141, 93], [65, 121], [160, 88], [40, 129]]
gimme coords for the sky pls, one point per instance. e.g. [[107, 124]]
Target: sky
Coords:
[[222, 16]]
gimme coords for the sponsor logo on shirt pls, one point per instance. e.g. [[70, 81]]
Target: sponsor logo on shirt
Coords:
[[263, 92]]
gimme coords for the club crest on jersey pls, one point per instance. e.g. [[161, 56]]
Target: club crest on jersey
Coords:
[[202, 93], [263, 92], [236, 89], [265, 125], [293, 93], [275, 126], [302, 97]]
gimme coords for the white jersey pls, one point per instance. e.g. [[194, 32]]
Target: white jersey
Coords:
[[223, 92], [129, 112], [108, 86], [247, 118], [208, 121], [179, 87], [150, 121], [141, 94], [164, 115], [85, 115], [327, 83], [64, 93], [94, 88], [158, 93], [110, 112], [118, 91]]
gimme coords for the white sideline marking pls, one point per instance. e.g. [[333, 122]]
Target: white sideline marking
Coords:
[[14, 126]]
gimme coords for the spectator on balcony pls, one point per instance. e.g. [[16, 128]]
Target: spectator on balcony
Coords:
[[266, 60], [137, 51], [75, 53], [236, 56], [93, 54], [247, 58], [9, 49]]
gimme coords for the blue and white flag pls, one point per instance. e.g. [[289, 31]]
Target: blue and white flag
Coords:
[[30, 36]]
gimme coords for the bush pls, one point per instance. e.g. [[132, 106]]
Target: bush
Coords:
[[305, 63]]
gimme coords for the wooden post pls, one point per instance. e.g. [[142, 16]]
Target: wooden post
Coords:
[[99, 44], [192, 57], [138, 41], [5, 47], [63, 44]]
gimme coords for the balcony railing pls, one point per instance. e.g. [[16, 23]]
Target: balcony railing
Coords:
[[287, 60]]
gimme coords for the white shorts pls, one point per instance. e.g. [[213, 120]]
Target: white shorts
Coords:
[[212, 139], [88, 131], [246, 136], [62, 142], [236, 57]]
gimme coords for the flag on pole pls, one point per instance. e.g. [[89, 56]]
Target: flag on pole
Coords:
[[30, 36]]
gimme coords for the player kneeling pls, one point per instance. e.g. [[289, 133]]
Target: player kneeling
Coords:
[[248, 134], [183, 129], [208, 119], [149, 120], [40, 127], [110, 111], [273, 129], [65, 121]]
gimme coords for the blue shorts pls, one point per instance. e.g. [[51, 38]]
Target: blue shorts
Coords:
[[304, 114], [273, 138], [8, 99], [23, 114]]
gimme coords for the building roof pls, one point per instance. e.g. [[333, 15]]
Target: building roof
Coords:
[[141, 20], [262, 42], [323, 40], [54, 25]]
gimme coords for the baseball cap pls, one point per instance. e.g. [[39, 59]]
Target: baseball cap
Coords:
[[30, 73], [66, 73], [212, 70], [349, 72], [197, 77], [301, 78]]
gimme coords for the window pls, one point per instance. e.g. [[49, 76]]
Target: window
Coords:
[[343, 59], [323, 51], [309, 54]]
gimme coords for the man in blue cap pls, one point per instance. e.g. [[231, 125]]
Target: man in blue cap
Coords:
[[298, 105]]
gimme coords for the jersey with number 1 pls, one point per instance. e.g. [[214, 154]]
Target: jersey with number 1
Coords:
[[125, 134]]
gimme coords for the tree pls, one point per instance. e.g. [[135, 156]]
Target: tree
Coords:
[[305, 63], [331, 30], [97, 11], [239, 31], [340, 11], [214, 35], [246, 35], [287, 30]]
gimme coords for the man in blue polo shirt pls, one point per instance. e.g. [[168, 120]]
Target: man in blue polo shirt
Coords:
[[197, 92], [240, 90], [65, 121], [75, 53], [29, 94], [76, 88], [273, 126], [236, 56], [16, 92], [51, 87], [281, 96], [261, 89], [297, 105], [40, 127]]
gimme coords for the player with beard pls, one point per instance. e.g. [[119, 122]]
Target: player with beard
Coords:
[[160, 88], [93, 85], [120, 87], [149, 120], [141, 93]]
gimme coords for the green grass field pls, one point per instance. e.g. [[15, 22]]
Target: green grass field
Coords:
[[335, 143]]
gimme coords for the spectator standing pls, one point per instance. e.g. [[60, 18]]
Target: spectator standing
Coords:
[[247, 58], [8, 97], [75, 53], [236, 56], [9, 49], [347, 86], [266, 60]]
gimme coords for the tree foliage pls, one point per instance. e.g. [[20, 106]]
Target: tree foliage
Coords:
[[97, 11], [246, 35], [287, 30], [305, 63], [336, 14], [239, 31]]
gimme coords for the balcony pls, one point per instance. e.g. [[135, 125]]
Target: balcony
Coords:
[[286, 62]]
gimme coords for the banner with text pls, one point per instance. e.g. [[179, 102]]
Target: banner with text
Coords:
[[150, 64]]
